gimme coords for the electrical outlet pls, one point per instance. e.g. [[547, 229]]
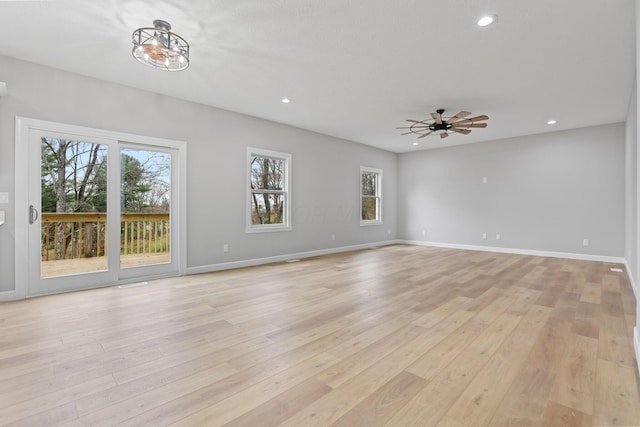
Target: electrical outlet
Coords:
[[585, 242], [389, 232], [484, 180], [484, 235], [424, 232], [498, 236], [4, 197], [333, 237], [225, 247]]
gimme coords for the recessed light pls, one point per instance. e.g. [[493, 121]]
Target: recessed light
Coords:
[[552, 122], [415, 143], [286, 100], [486, 20]]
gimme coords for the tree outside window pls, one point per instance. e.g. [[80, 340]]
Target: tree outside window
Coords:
[[370, 196], [268, 191]]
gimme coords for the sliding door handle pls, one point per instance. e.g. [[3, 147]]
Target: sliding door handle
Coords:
[[33, 214]]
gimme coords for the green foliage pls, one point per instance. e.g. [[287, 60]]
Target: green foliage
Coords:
[[132, 185]]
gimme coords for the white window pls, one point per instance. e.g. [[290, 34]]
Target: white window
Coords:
[[370, 196], [268, 200]]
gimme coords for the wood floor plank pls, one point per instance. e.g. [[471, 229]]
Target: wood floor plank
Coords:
[[381, 405], [257, 394], [557, 415], [616, 402], [398, 336], [526, 399], [435, 359], [158, 396], [432, 403], [273, 412], [333, 405], [45, 403], [575, 382], [484, 394]]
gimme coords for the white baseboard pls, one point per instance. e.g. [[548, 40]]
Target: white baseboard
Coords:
[[8, 296], [634, 285], [286, 257], [636, 344], [566, 255]]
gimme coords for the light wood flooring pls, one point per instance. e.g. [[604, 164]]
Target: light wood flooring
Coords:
[[392, 336]]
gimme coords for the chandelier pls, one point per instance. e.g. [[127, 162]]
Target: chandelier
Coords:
[[159, 48]]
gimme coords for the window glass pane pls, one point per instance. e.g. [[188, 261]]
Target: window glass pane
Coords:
[[369, 184], [369, 208], [145, 199], [267, 173], [267, 208], [73, 207]]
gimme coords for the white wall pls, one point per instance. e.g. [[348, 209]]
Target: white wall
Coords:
[[325, 184], [544, 192]]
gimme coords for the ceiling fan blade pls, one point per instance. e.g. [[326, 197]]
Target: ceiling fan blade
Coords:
[[409, 127], [426, 134], [475, 119], [461, 115], [461, 123], [464, 131], [477, 125], [443, 135], [437, 117]]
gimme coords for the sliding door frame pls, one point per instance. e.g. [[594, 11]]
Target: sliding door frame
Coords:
[[24, 150]]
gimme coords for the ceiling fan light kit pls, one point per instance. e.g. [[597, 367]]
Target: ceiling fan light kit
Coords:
[[440, 125], [160, 48]]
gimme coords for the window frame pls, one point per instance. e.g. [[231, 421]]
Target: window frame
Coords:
[[286, 191], [378, 195]]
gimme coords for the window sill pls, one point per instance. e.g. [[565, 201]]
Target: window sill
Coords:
[[368, 223], [268, 229]]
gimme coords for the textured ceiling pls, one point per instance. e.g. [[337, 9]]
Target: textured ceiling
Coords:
[[356, 69]]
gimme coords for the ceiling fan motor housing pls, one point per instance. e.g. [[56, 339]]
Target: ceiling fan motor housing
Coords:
[[440, 126]]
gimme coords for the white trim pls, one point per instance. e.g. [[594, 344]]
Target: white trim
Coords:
[[378, 196], [286, 257], [8, 296], [21, 202], [636, 344], [634, 286], [265, 228], [566, 255]]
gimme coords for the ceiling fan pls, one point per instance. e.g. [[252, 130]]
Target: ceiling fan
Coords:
[[440, 125]]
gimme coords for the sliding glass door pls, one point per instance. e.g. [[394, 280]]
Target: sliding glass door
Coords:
[[100, 211]]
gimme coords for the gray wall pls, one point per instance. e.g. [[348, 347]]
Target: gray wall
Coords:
[[325, 176], [544, 192], [631, 185]]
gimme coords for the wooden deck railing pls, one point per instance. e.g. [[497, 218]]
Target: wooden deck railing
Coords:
[[83, 235]]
